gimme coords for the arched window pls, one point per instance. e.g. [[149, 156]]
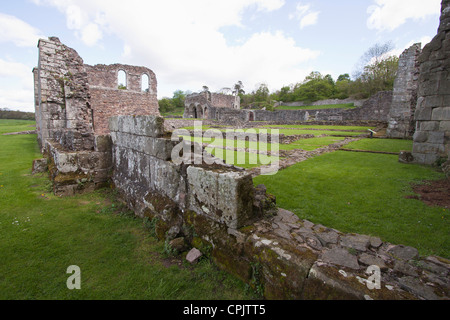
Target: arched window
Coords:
[[122, 80], [145, 83]]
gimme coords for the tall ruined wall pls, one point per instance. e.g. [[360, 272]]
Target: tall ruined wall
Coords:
[[432, 137], [63, 110], [108, 100], [404, 101]]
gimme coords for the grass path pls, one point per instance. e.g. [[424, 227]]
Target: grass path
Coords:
[[42, 235]]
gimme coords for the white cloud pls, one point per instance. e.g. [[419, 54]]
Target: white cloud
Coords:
[[17, 99], [270, 5], [305, 15], [388, 15], [16, 86], [309, 20], [183, 43], [18, 32], [91, 34]]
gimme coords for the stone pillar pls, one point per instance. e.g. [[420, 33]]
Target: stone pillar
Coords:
[[404, 101], [432, 137]]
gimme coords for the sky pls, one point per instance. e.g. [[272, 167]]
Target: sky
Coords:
[[216, 43]]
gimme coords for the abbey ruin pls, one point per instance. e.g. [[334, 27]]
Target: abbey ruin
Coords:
[[95, 133]]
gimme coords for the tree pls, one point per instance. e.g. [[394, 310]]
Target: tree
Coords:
[[178, 99], [166, 105], [373, 55], [262, 93], [238, 92], [315, 87]]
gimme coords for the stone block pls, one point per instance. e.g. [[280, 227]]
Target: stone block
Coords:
[[441, 114], [444, 126], [114, 124], [166, 178], [429, 126], [423, 114], [103, 143], [420, 136], [428, 148], [40, 166], [159, 148], [151, 126], [225, 197]]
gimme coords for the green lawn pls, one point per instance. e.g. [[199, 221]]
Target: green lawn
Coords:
[[364, 193], [319, 127], [41, 235], [329, 106], [311, 144], [384, 145]]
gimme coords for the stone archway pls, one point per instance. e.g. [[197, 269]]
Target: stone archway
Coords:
[[199, 111], [251, 116]]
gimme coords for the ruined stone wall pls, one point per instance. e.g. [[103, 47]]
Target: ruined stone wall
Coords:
[[199, 105], [432, 137], [144, 173], [374, 109], [108, 100], [404, 101], [76, 172], [217, 210], [225, 101], [63, 110], [357, 103]]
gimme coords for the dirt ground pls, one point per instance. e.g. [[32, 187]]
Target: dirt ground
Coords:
[[434, 193]]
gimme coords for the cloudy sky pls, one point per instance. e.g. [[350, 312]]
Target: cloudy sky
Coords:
[[192, 43]]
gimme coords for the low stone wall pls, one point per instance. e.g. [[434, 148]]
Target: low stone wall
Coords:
[[79, 172], [217, 210], [357, 103], [376, 108]]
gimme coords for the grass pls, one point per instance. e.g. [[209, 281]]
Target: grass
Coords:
[[330, 106], [320, 127], [242, 159], [364, 193], [384, 145], [41, 235], [311, 144]]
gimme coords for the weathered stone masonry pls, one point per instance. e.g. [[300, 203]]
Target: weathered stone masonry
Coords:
[[218, 210], [401, 116], [73, 103], [432, 136]]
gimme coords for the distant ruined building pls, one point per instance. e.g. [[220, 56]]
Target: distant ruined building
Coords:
[[202, 105]]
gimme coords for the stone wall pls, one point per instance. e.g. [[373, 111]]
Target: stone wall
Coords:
[[108, 100], [432, 137], [198, 105], [357, 103], [404, 101], [374, 109], [81, 171], [217, 210], [63, 110]]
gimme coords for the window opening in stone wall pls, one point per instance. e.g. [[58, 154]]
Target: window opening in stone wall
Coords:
[[145, 83], [122, 80]]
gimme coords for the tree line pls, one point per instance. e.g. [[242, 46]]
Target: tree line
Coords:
[[16, 115]]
